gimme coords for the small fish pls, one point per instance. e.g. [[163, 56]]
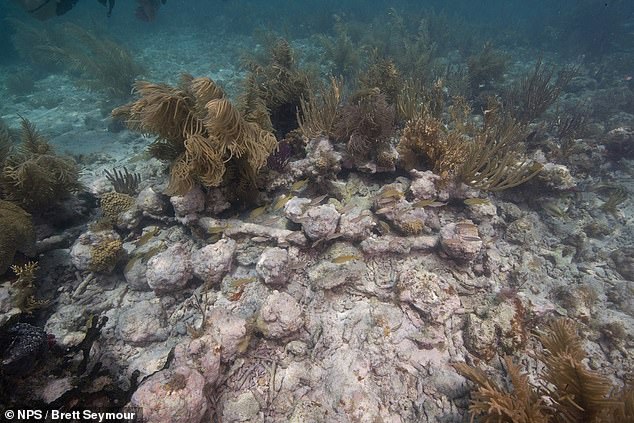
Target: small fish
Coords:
[[428, 203], [344, 258], [299, 185], [318, 200], [217, 229], [281, 201], [471, 238], [385, 228], [391, 193], [422, 203], [255, 213], [358, 218], [476, 201], [242, 281], [384, 210]]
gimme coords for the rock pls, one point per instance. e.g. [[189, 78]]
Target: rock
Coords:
[[142, 323], [557, 177], [279, 316], [624, 261], [423, 186], [55, 388], [230, 331], [295, 208], [175, 396], [521, 231], [169, 270], [619, 143], [320, 222], [202, 354], [96, 251], [434, 298], [356, 225], [135, 274], [187, 206], [386, 244], [273, 266], [330, 273], [241, 407], [151, 202], [213, 261], [461, 240]]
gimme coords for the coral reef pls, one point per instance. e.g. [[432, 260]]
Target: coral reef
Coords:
[[279, 84], [35, 177], [366, 124], [200, 132], [18, 233], [96, 60], [570, 393]]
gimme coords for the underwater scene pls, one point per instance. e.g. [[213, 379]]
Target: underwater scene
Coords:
[[317, 211]]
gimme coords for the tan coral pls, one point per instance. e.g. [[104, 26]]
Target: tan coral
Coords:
[[105, 255], [199, 131], [115, 203]]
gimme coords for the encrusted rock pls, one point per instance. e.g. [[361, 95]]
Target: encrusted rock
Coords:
[[202, 354], [230, 331], [169, 270], [479, 337], [187, 206], [241, 407], [151, 202], [557, 177], [279, 316], [423, 186], [330, 274], [461, 240], [624, 261], [213, 261], [273, 266], [175, 396], [619, 142], [356, 224], [96, 251], [433, 297], [142, 323]]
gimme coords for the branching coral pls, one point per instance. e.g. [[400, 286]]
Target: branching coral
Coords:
[[493, 161], [425, 139], [384, 75], [570, 392], [342, 51], [318, 114], [366, 123], [279, 84], [486, 158], [98, 62], [485, 67], [199, 130], [537, 91], [17, 234], [34, 176]]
